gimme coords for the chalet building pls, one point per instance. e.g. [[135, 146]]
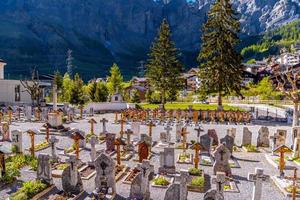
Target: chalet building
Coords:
[[192, 81], [140, 81]]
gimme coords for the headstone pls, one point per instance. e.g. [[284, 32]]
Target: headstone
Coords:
[[258, 178], [205, 143], [140, 185], [93, 141], [104, 121], [16, 137], [110, 140], [167, 161], [146, 138], [229, 142], [143, 151], [247, 136], [71, 180], [213, 134], [231, 132], [28, 112], [53, 140], [105, 174], [220, 181], [222, 156], [263, 137], [135, 127], [198, 130], [213, 194], [178, 131], [44, 168]]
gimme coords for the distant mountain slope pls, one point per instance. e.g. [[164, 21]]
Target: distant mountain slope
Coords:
[[100, 32], [271, 42]]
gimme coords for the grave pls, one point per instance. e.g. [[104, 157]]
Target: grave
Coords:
[[263, 137], [222, 156], [258, 178], [16, 137], [167, 161], [247, 137]]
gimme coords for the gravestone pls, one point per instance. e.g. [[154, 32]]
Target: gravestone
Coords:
[[143, 151], [110, 142], [263, 137], [213, 194], [82, 143], [247, 136], [229, 142], [219, 180], [296, 142], [213, 134], [53, 140], [281, 137], [205, 143], [44, 168], [93, 141], [105, 175], [231, 132], [71, 180], [178, 128], [222, 156], [198, 129], [178, 191], [167, 161], [146, 138], [28, 112], [104, 121], [16, 137], [140, 185], [258, 178], [135, 127]]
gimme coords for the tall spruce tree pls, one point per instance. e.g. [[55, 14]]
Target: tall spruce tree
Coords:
[[163, 67], [220, 69]]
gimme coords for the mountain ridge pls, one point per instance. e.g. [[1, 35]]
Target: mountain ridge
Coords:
[[100, 32]]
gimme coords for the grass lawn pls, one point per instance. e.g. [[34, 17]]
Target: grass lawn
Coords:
[[196, 106]]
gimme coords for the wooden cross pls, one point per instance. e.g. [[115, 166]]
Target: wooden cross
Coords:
[[116, 117], [10, 115], [199, 130], [150, 125], [183, 134], [31, 134], [196, 159], [92, 122], [122, 121], [282, 150], [294, 189], [76, 136], [118, 142], [47, 126]]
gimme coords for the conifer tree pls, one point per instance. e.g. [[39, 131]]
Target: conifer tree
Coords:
[[163, 67], [115, 80], [77, 93], [220, 69], [92, 90]]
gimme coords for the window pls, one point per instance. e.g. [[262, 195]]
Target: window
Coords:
[[116, 98], [17, 93]]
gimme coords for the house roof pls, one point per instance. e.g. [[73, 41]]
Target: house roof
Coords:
[[139, 79]]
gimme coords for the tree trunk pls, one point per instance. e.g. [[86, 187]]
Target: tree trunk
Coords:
[[296, 114], [220, 106]]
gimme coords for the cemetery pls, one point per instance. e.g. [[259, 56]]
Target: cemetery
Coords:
[[146, 154]]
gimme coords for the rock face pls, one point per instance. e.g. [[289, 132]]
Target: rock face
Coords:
[[39, 33]]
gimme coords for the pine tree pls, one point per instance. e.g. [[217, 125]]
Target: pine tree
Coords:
[[101, 93], [163, 67], [77, 93], [221, 69], [67, 86], [115, 80], [135, 96], [92, 90]]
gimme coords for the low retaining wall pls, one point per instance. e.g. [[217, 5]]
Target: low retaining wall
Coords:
[[109, 107]]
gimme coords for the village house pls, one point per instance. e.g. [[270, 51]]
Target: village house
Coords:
[[12, 91], [192, 81]]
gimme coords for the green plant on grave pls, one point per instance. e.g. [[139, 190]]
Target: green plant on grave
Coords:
[[28, 190], [195, 172], [62, 166], [251, 148], [41, 145], [160, 180], [206, 162], [290, 189], [14, 149], [88, 137], [193, 141], [227, 187], [198, 181], [297, 160], [70, 149], [183, 157]]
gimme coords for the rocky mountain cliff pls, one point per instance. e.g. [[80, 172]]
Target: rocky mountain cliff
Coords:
[[39, 33]]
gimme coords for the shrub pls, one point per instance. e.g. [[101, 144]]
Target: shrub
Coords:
[[14, 149]]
